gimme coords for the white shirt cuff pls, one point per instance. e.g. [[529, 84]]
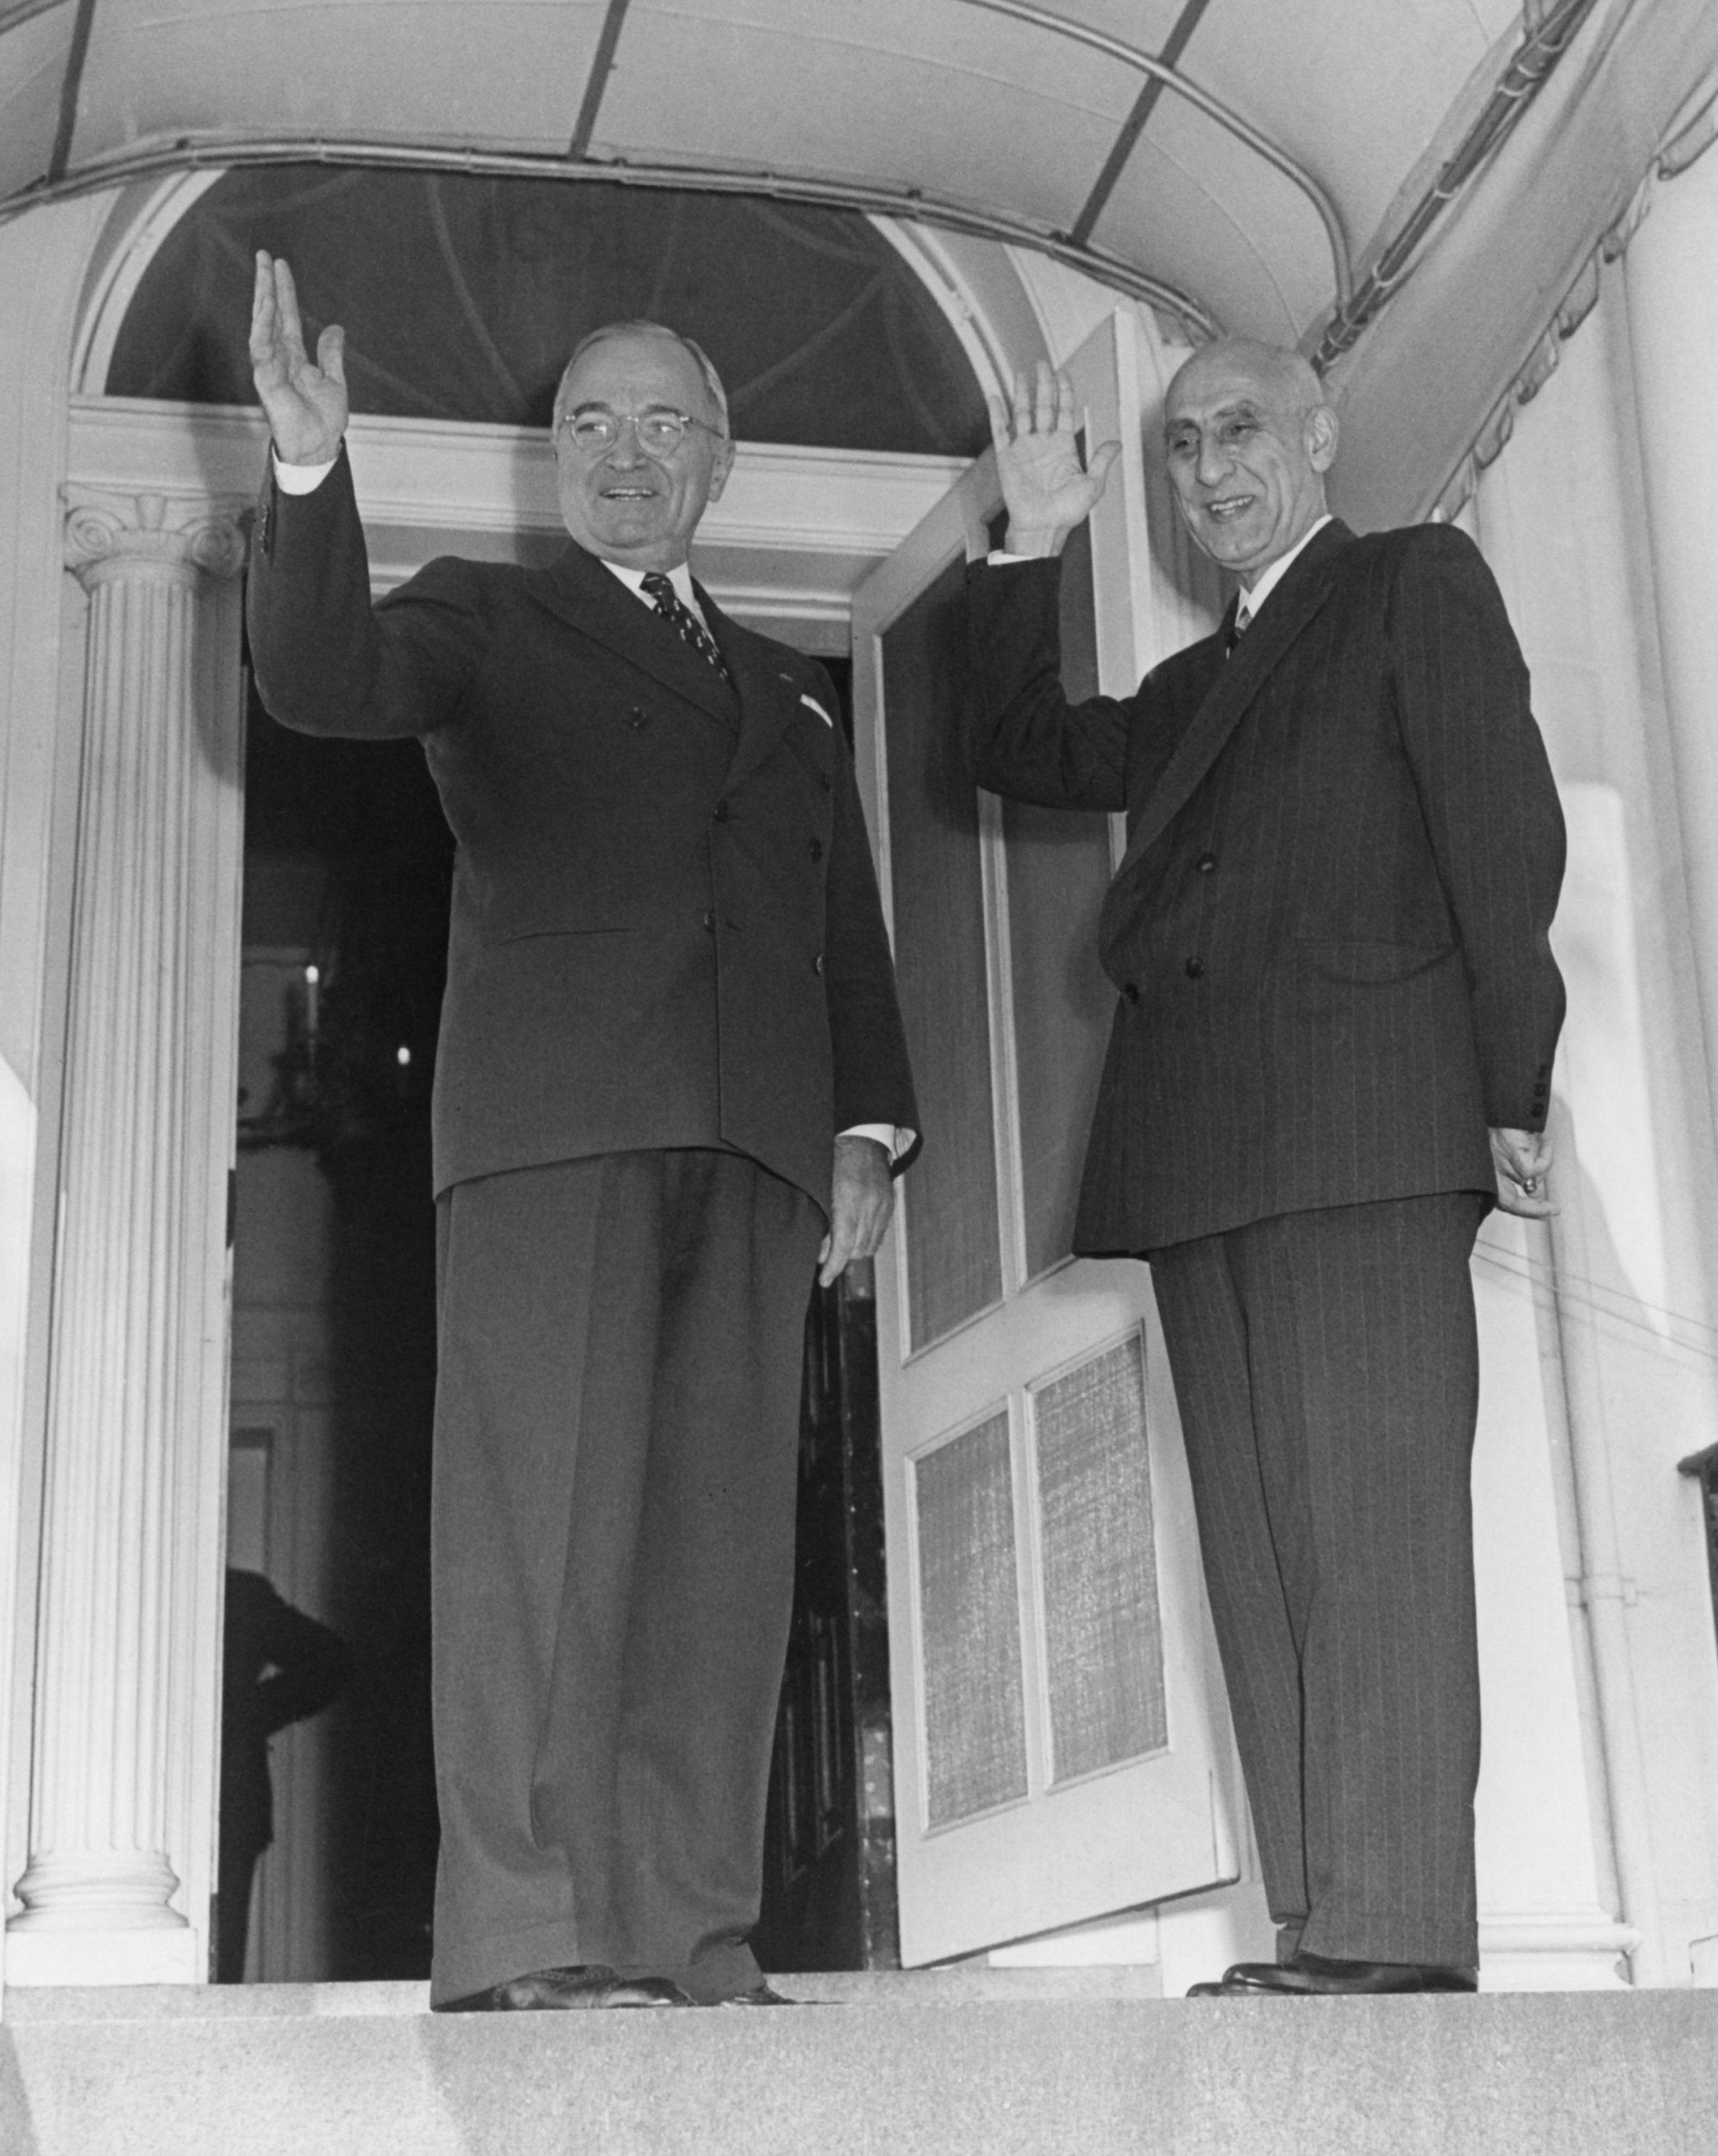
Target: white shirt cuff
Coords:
[[890, 1135], [999, 558], [300, 479]]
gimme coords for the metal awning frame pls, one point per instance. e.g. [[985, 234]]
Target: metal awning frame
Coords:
[[1550, 26], [185, 153]]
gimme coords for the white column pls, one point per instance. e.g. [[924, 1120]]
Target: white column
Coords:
[[44, 258], [1670, 280], [127, 1697], [1671, 273]]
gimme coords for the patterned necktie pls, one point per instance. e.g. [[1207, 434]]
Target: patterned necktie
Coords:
[[674, 610], [1238, 629]]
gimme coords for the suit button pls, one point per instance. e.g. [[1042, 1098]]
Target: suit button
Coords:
[[710, 924], [635, 718], [1195, 968], [1206, 863], [816, 850], [1130, 990], [817, 963], [721, 811], [825, 782]]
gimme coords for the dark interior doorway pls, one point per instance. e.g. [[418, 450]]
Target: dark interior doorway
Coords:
[[349, 861]]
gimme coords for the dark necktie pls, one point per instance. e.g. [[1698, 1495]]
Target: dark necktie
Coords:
[[1238, 629], [674, 610]]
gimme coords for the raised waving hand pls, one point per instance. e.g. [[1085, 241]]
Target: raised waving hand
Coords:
[[304, 399], [1047, 491]]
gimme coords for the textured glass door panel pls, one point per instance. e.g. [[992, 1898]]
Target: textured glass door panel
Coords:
[[1058, 871], [948, 1205], [1103, 1628], [970, 1621]]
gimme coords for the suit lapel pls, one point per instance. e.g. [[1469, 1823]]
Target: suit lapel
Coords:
[[768, 696], [580, 588], [1237, 680]]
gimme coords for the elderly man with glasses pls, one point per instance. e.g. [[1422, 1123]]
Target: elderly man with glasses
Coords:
[[671, 1085]]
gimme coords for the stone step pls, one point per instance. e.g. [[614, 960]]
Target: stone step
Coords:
[[1014, 2063]]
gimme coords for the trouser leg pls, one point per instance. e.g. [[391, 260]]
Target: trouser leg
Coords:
[[232, 1930], [518, 1260], [616, 1484], [1205, 1330], [1362, 1370], [712, 1592]]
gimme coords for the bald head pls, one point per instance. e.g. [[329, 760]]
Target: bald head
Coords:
[[1249, 438], [1273, 370]]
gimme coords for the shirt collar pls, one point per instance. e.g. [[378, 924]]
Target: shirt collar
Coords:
[[679, 576], [1266, 583]]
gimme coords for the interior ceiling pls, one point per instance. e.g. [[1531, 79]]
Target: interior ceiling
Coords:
[[1244, 163]]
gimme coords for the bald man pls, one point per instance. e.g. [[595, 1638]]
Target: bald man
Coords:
[[1331, 1054]]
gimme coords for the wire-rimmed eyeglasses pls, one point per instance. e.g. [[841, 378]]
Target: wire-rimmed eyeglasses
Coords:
[[659, 432]]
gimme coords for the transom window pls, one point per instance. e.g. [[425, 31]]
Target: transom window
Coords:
[[462, 295]]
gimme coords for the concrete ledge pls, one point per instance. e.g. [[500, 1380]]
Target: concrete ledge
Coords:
[[912, 2074], [956, 1985]]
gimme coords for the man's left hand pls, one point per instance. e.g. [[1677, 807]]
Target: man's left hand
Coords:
[[1521, 1162], [862, 1204]]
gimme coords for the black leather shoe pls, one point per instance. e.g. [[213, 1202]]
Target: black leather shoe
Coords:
[[563, 1990], [1241, 1977], [1317, 1976]]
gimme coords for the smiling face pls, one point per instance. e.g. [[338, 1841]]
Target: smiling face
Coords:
[[626, 504], [1249, 439]]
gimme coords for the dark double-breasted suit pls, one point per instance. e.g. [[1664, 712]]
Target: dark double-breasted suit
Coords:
[[668, 989], [1328, 936]]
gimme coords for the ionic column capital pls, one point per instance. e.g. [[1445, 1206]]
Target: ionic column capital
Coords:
[[151, 535]]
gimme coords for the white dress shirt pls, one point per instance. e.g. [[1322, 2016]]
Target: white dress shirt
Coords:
[[1268, 579]]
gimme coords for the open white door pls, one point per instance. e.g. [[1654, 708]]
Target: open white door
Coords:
[[1058, 1723]]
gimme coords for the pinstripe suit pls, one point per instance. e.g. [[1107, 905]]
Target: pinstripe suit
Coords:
[[1329, 936]]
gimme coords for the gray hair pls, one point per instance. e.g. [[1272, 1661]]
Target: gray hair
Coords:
[[701, 359]]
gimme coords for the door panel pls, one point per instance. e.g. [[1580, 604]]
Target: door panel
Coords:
[[937, 861], [1103, 1621], [1059, 1730], [1057, 869], [967, 1571]]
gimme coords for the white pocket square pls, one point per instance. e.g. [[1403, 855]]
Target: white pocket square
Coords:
[[811, 704]]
